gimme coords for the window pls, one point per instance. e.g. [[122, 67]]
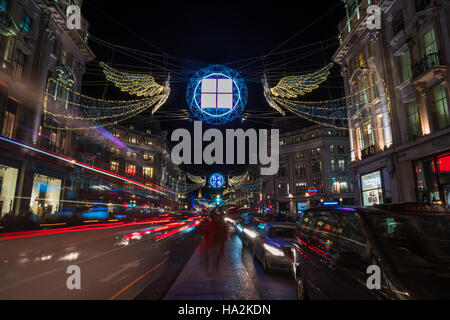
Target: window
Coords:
[[316, 167], [429, 44], [440, 107], [114, 166], [352, 238], [132, 140], [147, 172], [341, 149], [217, 93], [300, 187], [331, 149], [131, 169], [25, 22], [333, 165], [307, 222], [325, 235], [398, 23], [282, 173], [367, 138], [283, 189], [405, 65], [20, 64], [8, 124], [341, 165], [297, 140], [283, 157], [282, 143], [300, 169], [413, 119], [298, 155]]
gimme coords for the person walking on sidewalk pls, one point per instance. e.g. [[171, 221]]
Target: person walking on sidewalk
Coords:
[[220, 237]]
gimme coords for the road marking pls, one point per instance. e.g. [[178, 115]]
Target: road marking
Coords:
[[139, 278], [52, 224]]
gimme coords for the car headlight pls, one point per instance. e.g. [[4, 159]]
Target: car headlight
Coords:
[[273, 250], [250, 233], [230, 220]]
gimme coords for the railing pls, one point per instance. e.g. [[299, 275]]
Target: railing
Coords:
[[430, 60], [368, 152]]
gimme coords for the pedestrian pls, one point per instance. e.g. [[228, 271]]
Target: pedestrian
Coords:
[[220, 237], [206, 246]]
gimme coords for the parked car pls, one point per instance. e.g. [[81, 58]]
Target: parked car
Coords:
[[338, 252], [273, 246]]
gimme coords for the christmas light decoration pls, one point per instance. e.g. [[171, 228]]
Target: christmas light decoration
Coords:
[[217, 95], [237, 180], [142, 85], [195, 179], [328, 112], [216, 181], [294, 86], [66, 109]]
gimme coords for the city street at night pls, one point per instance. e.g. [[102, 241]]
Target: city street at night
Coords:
[[215, 160]]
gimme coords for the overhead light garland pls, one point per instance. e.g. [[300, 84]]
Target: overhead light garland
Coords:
[[196, 179], [66, 109], [293, 86], [237, 180], [328, 112], [139, 84]]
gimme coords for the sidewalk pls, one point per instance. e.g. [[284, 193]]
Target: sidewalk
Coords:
[[232, 281]]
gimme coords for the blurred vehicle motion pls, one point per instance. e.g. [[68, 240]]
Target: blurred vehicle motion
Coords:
[[273, 246], [409, 243]]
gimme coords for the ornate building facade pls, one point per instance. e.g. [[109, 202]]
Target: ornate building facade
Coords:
[[396, 80]]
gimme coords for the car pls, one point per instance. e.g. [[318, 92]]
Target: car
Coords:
[[273, 247], [372, 253], [248, 228]]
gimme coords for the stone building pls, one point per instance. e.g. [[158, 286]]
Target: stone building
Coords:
[[35, 44], [310, 158], [396, 80]]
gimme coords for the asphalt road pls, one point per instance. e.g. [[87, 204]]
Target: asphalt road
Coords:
[[116, 262], [121, 261]]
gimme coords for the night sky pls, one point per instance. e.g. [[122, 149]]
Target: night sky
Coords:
[[193, 35]]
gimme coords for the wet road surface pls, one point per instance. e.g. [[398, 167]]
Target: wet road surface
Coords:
[[239, 277]]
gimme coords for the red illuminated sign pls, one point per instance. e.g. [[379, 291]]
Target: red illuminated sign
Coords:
[[312, 191]]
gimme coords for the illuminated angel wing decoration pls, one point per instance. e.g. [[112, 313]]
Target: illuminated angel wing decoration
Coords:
[[139, 84], [166, 94], [293, 86], [195, 179], [269, 98]]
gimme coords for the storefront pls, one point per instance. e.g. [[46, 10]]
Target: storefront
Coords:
[[45, 195], [8, 182], [433, 179], [301, 206], [372, 189]]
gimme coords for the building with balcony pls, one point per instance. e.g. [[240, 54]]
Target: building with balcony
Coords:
[[35, 44], [138, 155], [396, 78], [314, 157]]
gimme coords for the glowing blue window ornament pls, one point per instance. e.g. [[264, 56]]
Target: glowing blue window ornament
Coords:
[[217, 95], [216, 181]]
